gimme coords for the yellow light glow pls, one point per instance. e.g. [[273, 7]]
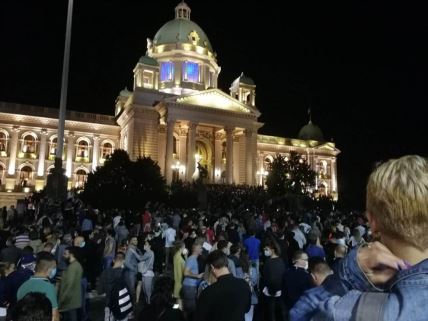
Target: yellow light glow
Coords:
[[214, 100]]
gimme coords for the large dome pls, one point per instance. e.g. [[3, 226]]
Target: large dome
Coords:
[[311, 132], [182, 30], [179, 31]]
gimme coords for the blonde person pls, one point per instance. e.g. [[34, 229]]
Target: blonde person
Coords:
[[179, 255], [385, 280]]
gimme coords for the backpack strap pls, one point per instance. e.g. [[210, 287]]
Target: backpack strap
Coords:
[[370, 307]]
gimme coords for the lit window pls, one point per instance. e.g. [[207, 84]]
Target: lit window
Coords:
[[147, 79], [167, 71], [106, 150], [28, 144], [81, 177], [190, 71]]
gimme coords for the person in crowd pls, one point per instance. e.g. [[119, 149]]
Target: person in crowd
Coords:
[[44, 272], [66, 242], [35, 306], [145, 274], [252, 245], [22, 240], [206, 281], [298, 235], [10, 253], [132, 258], [273, 280], [179, 252], [121, 231], [191, 281], [397, 210], [297, 279], [319, 272], [70, 296], [339, 254], [224, 246], [162, 306], [6, 268], [169, 235], [228, 299], [109, 248], [108, 278], [35, 241], [314, 249], [235, 254]]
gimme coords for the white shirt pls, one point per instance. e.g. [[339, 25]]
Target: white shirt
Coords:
[[116, 221], [169, 237], [299, 237]]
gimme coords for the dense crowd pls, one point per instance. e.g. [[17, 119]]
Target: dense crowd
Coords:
[[244, 257]]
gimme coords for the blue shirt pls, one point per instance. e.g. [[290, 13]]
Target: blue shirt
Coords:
[[253, 248], [315, 251], [192, 265]]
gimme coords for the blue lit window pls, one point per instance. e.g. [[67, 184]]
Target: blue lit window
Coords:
[[167, 71], [191, 71]]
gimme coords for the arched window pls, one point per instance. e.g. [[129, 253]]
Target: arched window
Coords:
[[106, 150], [52, 147], [81, 176], [82, 150], [25, 176], [29, 144], [3, 143]]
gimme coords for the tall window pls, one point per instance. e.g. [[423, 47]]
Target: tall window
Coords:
[[25, 176], [52, 147], [147, 79], [28, 144], [3, 142], [190, 71], [107, 150], [81, 177], [82, 149], [167, 71]]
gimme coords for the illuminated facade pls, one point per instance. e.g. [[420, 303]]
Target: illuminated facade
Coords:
[[175, 114]]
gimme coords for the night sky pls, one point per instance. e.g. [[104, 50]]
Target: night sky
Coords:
[[361, 66]]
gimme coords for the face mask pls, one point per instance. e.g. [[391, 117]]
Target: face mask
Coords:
[[82, 244], [185, 251], [268, 253], [52, 274], [306, 265]]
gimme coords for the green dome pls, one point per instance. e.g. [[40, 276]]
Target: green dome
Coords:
[[178, 30], [146, 60], [311, 132]]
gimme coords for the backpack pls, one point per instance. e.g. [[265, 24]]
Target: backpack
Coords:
[[120, 303]]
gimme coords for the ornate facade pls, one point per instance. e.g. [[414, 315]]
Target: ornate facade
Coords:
[[175, 114]]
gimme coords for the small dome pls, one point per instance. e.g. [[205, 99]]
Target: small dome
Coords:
[[311, 132], [182, 30], [146, 60], [242, 79]]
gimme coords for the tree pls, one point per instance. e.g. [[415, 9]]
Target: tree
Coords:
[[124, 184], [290, 175]]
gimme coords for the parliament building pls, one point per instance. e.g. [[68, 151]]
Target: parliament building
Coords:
[[175, 114]]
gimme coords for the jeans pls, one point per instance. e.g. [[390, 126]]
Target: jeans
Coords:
[[107, 262], [130, 280], [82, 312], [249, 315], [188, 294], [148, 287]]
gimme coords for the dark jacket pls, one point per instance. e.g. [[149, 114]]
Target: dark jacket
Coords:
[[107, 280], [297, 281], [226, 300], [273, 275]]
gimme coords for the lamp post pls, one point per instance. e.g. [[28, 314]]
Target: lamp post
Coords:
[[57, 181]]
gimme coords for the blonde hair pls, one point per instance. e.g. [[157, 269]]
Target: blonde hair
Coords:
[[397, 195]]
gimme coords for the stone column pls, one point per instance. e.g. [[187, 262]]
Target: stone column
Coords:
[[13, 150], [182, 153], [42, 153], [229, 154], [248, 157], [70, 154], [333, 166], [261, 168], [191, 146], [169, 150], [217, 157], [95, 152]]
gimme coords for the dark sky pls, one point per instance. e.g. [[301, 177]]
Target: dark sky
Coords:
[[362, 66]]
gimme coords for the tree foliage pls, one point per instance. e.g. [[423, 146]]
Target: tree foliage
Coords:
[[291, 175], [125, 184]]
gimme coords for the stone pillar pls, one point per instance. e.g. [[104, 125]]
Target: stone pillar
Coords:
[[333, 165], [248, 157], [229, 154], [13, 150], [95, 152], [70, 152], [217, 157], [261, 168], [169, 150], [42, 153], [182, 153], [191, 146]]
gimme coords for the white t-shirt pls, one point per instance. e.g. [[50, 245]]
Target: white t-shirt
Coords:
[[169, 237]]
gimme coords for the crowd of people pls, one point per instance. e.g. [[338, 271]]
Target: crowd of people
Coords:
[[241, 258]]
